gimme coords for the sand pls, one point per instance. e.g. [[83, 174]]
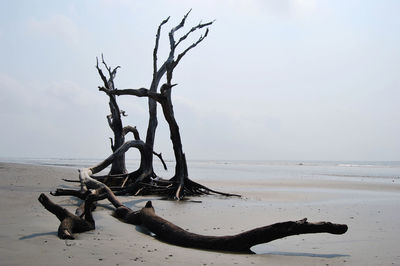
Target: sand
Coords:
[[28, 233]]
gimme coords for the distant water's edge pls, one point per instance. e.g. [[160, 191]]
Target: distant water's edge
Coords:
[[375, 171]]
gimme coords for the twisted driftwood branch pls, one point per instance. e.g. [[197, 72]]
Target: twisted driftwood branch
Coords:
[[173, 234], [70, 223]]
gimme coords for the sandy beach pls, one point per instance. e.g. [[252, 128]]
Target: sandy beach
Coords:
[[28, 233]]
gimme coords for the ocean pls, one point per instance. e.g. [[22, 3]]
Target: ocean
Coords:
[[241, 170]]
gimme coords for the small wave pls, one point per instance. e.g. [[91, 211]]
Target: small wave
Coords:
[[356, 165], [359, 176]]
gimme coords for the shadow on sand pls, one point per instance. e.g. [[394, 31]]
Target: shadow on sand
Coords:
[[37, 235], [304, 254]]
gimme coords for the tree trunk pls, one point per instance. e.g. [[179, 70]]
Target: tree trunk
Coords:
[[118, 165], [114, 119], [180, 160]]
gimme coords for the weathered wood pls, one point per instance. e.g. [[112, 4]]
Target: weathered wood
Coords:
[[70, 223], [114, 119], [140, 145], [163, 97], [145, 181], [134, 131], [173, 234], [70, 192]]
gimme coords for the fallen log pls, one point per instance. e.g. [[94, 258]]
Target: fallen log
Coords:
[[173, 234], [70, 223], [169, 232]]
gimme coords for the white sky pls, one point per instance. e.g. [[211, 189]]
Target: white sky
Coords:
[[274, 80]]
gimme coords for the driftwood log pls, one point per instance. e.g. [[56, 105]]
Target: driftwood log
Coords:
[[70, 223], [173, 234], [169, 232]]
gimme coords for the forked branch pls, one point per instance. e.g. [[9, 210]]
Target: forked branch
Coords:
[[171, 63], [155, 51]]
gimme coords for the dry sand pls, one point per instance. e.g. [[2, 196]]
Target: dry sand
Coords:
[[28, 233]]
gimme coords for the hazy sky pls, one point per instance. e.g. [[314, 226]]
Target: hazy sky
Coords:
[[274, 80]]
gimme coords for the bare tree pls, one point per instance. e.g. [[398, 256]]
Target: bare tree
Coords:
[[118, 166], [144, 180], [180, 184]]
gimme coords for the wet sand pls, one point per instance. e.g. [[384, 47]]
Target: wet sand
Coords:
[[28, 233]]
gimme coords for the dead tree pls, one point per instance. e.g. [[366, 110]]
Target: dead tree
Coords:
[[143, 180], [169, 232], [180, 183], [118, 166], [114, 119]]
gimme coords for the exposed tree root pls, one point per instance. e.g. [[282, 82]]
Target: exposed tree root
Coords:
[[171, 189], [144, 181]]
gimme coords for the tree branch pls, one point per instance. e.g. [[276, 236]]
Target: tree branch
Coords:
[[134, 131], [70, 223], [112, 144], [103, 78], [124, 148], [111, 73], [108, 83], [109, 120], [159, 155], [180, 25], [172, 41], [155, 51], [202, 37], [199, 26], [142, 92], [70, 192], [170, 233], [170, 63]]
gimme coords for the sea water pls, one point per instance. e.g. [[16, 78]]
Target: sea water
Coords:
[[241, 170]]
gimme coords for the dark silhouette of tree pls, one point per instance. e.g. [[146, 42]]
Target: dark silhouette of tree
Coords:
[[144, 180], [114, 119], [94, 188]]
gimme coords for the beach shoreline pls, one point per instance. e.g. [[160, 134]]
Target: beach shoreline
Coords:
[[29, 232]]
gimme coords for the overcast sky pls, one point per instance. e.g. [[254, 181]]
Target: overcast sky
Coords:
[[274, 80]]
